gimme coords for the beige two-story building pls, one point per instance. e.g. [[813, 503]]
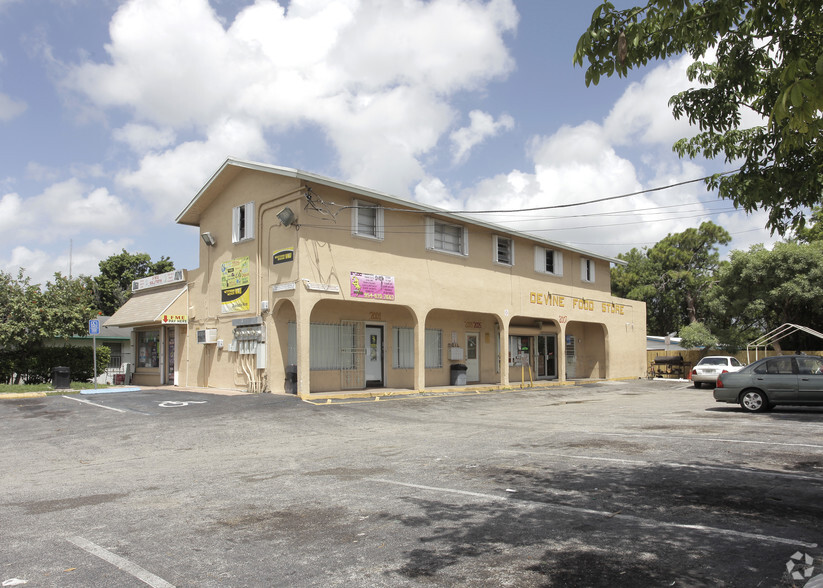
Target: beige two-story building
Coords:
[[312, 285]]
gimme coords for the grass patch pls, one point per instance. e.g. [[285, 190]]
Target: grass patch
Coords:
[[47, 388]]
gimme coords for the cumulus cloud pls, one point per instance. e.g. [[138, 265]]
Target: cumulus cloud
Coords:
[[169, 179], [62, 210], [374, 75], [481, 126]]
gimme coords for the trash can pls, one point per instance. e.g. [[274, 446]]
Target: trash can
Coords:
[[61, 377], [458, 374], [291, 379]]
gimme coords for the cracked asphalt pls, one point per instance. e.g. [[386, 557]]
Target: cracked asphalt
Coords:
[[640, 483]]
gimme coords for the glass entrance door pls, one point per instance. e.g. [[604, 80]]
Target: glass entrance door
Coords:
[[546, 356]]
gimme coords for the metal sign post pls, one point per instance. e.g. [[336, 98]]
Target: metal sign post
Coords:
[[94, 330]]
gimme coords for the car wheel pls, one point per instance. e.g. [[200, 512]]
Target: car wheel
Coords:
[[698, 385], [754, 401]]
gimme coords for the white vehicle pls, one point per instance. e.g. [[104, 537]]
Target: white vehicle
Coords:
[[709, 368]]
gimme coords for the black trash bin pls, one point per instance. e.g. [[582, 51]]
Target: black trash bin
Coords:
[[291, 379], [458, 374], [61, 377]]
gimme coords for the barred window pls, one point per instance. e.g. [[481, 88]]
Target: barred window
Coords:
[[403, 352], [434, 348]]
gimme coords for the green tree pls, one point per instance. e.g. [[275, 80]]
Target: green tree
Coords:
[[68, 305], [22, 313], [113, 286], [673, 276], [697, 335], [814, 230], [763, 57], [760, 290]]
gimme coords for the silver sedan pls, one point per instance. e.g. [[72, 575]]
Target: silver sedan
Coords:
[[791, 379]]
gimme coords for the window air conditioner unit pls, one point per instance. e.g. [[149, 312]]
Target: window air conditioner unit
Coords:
[[207, 336]]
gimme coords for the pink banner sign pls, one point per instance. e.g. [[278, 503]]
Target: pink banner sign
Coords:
[[372, 286]]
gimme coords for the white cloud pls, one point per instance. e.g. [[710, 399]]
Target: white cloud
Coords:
[[143, 138], [374, 75], [168, 180], [10, 108], [62, 210], [482, 126]]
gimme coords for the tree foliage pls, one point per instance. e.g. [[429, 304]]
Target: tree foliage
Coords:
[[762, 57], [117, 272], [697, 335], [759, 290], [673, 276], [29, 314]]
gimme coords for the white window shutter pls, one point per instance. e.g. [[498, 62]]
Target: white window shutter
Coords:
[[378, 221], [354, 215], [235, 224], [250, 220], [429, 233], [465, 240], [540, 259], [558, 263]]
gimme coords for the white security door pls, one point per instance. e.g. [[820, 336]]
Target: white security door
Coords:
[[472, 357], [374, 356], [571, 358]]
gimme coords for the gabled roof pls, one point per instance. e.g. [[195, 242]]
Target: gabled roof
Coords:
[[231, 168]]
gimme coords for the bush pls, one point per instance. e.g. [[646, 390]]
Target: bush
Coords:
[[35, 366]]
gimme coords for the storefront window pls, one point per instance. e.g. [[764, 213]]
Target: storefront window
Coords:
[[148, 349]]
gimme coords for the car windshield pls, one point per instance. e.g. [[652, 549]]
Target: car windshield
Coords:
[[713, 361]]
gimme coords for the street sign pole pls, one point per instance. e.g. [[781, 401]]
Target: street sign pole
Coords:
[[94, 353], [94, 330]]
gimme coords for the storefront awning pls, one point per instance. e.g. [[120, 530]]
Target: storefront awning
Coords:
[[149, 308]]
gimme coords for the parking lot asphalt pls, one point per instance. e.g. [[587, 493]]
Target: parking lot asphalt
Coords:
[[639, 483]]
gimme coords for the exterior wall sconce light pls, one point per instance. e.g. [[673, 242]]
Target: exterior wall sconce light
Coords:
[[287, 216], [208, 239]]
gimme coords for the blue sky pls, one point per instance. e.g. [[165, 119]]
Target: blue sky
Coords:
[[114, 113]]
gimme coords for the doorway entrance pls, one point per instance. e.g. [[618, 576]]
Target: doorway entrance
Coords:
[[547, 356], [374, 356], [472, 357]]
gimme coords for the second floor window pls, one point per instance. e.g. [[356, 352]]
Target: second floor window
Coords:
[[367, 220], [587, 270], [242, 222], [503, 250], [442, 236], [548, 261]]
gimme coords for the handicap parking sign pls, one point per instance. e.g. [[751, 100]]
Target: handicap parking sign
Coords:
[[94, 327]]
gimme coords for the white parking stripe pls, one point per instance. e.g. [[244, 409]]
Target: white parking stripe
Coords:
[[605, 514], [94, 404], [671, 465], [121, 563]]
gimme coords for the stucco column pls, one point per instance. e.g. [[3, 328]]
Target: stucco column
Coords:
[[419, 349], [303, 309], [504, 352], [561, 353]]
